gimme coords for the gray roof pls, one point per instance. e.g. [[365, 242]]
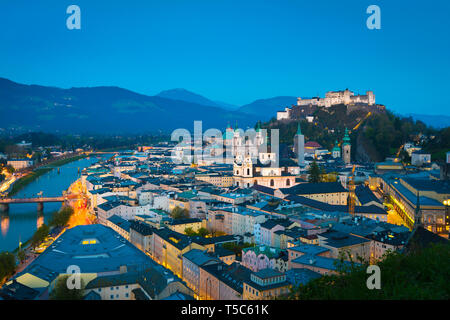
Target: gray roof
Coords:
[[314, 188]]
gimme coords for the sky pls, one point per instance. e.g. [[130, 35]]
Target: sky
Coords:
[[235, 51]]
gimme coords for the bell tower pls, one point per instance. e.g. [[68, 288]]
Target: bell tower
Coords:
[[346, 148]]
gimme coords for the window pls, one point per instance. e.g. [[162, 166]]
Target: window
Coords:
[[112, 297], [272, 183]]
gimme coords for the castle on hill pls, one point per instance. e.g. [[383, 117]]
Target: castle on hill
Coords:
[[307, 106]]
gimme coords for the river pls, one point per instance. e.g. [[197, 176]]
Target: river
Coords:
[[22, 220]]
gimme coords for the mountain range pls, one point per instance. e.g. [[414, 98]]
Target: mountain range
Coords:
[[117, 110]]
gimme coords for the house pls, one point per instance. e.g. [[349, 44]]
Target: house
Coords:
[[121, 226], [265, 284], [305, 249], [263, 257], [149, 284], [192, 261], [320, 264], [169, 247], [264, 232], [180, 225], [223, 282], [340, 243], [328, 192], [419, 158], [141, 235], [19, 164]]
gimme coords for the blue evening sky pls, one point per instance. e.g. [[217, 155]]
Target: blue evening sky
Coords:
[[235, 51]]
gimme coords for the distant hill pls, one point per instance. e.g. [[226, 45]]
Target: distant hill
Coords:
[[267, 108], [188, 96], [436, 121], [104, 110]]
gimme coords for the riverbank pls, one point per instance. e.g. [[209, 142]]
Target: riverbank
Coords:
[[32, 176]]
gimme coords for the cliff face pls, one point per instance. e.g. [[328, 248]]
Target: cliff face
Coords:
[[365, 151]]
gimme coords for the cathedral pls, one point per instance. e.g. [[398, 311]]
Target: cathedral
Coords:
[[256, 164]]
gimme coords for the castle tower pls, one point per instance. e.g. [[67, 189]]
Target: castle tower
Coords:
[[370, 97], [299, 146], [336, 152], [346, 148]]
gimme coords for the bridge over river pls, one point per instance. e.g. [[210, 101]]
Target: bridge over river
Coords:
[[6, 202]]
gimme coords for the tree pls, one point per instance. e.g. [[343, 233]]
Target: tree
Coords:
[[420, 274], [62, 291], [61, 217], [314, 172], [40, 235], [202, 232], [179, 213], [10, 169], [21, 255], [236, 248], [189, 232], [7, 264]]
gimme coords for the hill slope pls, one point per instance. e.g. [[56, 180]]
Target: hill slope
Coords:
[[103, 109], [267, 108], [380, 135], [189, 96]]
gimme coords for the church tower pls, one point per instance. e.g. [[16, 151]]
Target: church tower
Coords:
[[346, 148], [299, 146], [336, 152], [259, 139]]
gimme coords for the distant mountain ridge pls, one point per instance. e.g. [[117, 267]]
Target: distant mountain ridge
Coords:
[[117, 110], [103, 109], [436, 121], [267, 108], [189, 96]]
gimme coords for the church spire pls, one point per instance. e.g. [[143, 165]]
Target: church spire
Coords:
[[299, 130], [346, 139]]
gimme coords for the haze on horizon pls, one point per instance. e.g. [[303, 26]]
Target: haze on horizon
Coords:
[[235, 51]]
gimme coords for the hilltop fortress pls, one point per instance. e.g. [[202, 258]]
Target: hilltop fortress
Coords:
[[306, 106]]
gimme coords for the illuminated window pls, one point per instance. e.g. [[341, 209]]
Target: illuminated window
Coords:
[[89, 241]]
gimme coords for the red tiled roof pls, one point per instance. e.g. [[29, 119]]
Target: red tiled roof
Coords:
[[312, 144]]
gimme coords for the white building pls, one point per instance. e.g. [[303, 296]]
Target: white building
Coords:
[[420, 158], [18, 164]]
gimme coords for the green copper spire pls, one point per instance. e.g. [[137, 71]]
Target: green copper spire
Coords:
[[336, 146], [299, 130], [258, 126], [346, 138], [236, 128]]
